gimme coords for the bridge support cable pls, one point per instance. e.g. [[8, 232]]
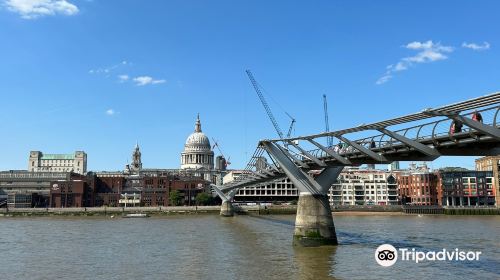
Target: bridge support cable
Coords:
[[411, 143], [307, 154], [265, 170], [285, 152], [259, 175], [331, 153], [362, 149]]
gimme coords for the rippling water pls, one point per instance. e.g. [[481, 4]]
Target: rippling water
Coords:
[[242, 247]]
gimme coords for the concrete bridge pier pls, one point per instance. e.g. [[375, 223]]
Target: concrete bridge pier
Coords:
[[314, 223], [226, 209]]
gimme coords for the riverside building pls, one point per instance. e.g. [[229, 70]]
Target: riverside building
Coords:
[[282, 190], [491, 164], [24, 189], [417, 185], [364, 187], [466, 188], [40, 162]]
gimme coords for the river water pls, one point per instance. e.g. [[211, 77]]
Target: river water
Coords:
[[241, 247]]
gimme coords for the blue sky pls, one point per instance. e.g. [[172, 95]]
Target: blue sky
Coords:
[[99, 75]]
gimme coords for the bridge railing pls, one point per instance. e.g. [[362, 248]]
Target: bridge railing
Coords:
[[428, 131], [436, 132]]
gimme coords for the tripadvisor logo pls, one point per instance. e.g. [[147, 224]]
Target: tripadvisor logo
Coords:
[[387, 255]]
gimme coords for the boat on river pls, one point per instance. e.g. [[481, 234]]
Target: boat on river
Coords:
[[136, 215]]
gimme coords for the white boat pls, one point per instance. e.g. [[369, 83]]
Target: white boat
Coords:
[[136, 215]]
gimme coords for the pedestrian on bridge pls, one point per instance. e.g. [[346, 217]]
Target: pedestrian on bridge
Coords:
[[476, 116], [456, 126]]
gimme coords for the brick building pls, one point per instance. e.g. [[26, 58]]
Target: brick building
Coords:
[[67, 194], [23, 189], [151, 186], [466, 188], [491, 164], [417, 186]]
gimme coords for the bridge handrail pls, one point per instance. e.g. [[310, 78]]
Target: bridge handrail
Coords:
[[433, 135], [480, 102], [257, 172]]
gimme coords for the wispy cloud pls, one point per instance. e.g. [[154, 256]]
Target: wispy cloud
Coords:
[[110, 112], [476, 47], [126, 77], [123, 78], [109, 69], [32, 9], [426, 52], [147, 80]]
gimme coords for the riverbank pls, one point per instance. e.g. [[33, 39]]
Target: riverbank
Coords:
[[242, 210], [108, 211]]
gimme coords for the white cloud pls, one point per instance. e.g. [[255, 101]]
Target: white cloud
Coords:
[[107, 70], [31, 9], [427, 52], [476, 47], [147, 80], [383, 79], [123, 78], [110, 112]]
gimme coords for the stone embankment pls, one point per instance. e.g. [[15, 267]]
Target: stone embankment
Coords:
[[246, 209]]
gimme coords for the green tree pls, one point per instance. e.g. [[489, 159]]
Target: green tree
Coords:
[[203, 199], [175, 198]]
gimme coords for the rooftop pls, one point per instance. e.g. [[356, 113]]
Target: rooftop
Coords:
[[58, 156]]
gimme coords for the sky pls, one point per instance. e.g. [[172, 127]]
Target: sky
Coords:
[[99, 75]]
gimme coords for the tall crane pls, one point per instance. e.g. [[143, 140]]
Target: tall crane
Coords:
[[268, 109], [329, 139], [216, 145]]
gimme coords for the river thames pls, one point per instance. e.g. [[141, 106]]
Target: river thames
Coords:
[[241, 247]]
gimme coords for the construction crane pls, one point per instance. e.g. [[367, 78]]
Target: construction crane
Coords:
[[216, 145], [329, 139], [289, 133], [268, 109]]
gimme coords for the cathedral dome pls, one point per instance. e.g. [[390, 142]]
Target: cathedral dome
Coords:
[[197, 150], [198, 140]]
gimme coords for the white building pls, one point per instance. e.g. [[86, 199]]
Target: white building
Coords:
[[354, 187], [282, 190], [364, 187], [40, 162]]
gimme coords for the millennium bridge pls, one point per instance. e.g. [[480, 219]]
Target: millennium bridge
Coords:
[[452, 130]]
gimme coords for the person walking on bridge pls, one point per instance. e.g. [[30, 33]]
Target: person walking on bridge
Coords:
[[456, 126], [476, 116]]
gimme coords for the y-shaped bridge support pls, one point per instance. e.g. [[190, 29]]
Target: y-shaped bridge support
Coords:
[[313, 223], [226, 208]]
